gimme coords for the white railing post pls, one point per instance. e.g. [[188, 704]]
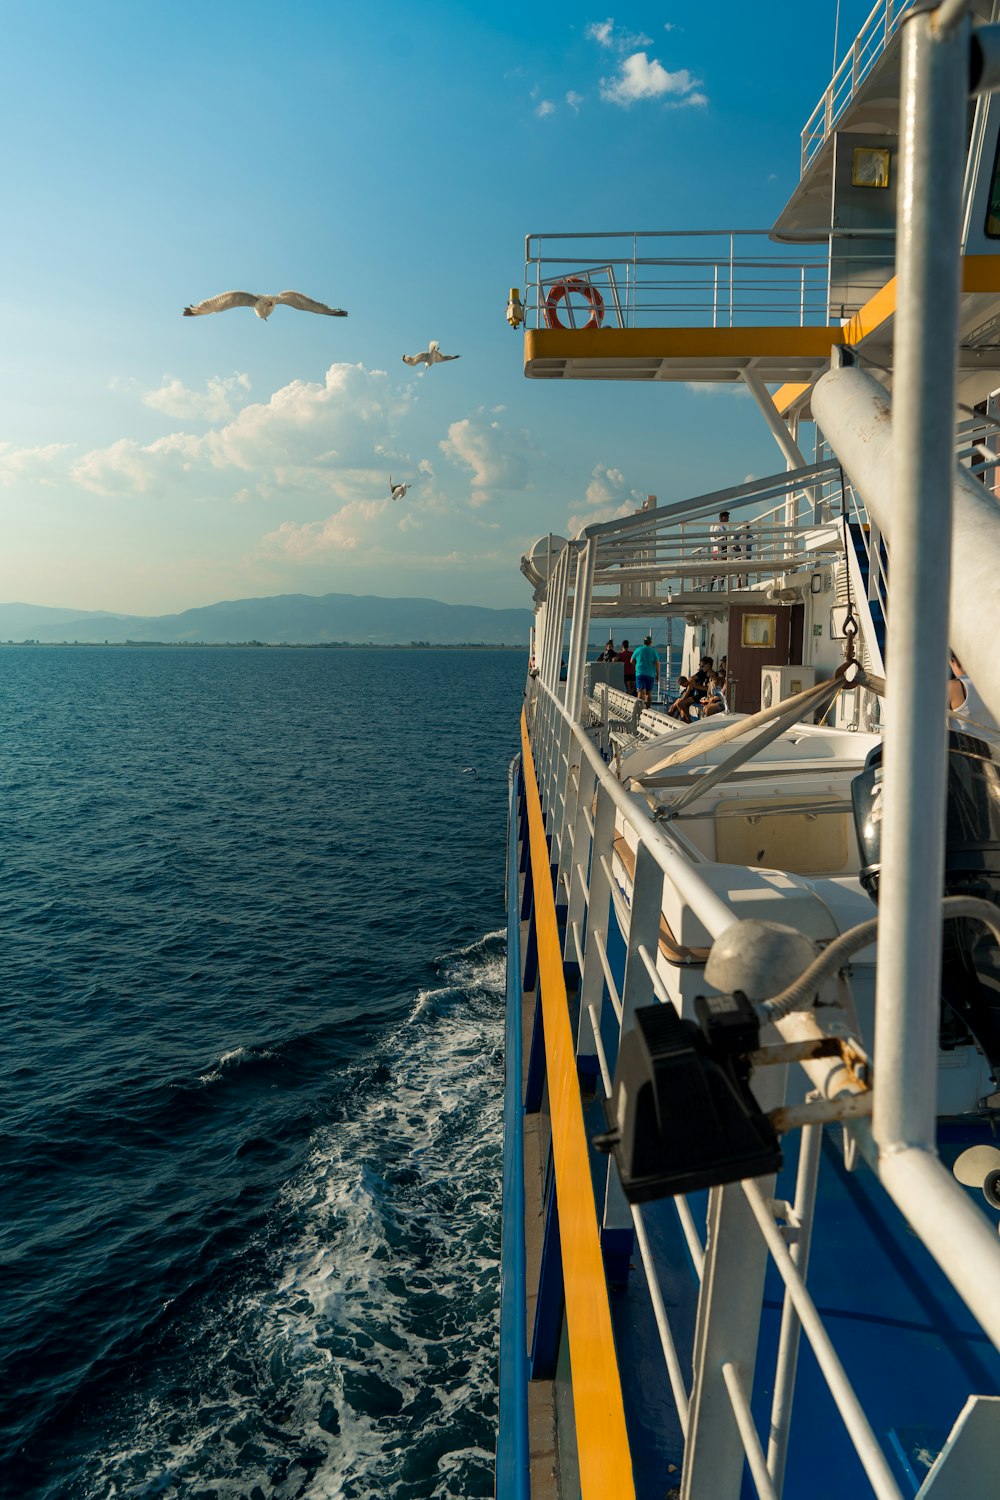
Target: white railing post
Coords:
[[791, 1326], [573, 871], [598, 911], [932, 138], [726, 1332], [582, 593], [637, 989]]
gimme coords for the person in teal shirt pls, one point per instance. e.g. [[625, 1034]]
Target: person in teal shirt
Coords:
[[647, 669]]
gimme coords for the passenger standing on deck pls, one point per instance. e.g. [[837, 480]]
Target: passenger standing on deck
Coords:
[[969, 713], [625, 657], [719, 532], [647, 669]]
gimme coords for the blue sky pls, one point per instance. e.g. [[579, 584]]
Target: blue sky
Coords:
[[389, 159]]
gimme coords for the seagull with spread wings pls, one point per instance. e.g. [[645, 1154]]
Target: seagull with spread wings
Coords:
[[429, 356], [263, 306]]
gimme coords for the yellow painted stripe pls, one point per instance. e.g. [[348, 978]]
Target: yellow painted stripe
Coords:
[[980, 273], [876, 311], [601, 1436], [787, 395], [680, 343]]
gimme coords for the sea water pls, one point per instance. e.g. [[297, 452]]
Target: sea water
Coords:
[[252, 988]]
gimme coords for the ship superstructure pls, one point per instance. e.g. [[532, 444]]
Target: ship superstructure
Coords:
[[757, 1055]]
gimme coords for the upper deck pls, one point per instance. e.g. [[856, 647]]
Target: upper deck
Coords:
[[714, 304]]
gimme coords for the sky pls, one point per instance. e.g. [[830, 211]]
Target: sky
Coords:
[[389, 159]]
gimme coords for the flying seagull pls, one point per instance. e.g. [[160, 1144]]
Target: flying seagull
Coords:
[[431, 356], [262, 306], [397, 491]]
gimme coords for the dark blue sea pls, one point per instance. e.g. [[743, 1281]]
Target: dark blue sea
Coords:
[[252, 954]]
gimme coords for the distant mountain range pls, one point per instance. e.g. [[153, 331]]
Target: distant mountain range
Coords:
[[284, 620]]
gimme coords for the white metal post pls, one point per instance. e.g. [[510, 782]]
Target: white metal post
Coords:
[[791, 1326], [932, 136], [582, 594], [598, 912]]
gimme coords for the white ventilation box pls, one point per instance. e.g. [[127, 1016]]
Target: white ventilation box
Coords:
[[778, 683]]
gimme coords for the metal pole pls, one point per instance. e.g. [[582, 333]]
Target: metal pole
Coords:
[[582, 592], [791, 1327], [932, 133]]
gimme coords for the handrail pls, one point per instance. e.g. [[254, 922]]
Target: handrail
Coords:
[[513, 1480], [602, 1440], [710, 909], [556, 720], [871, 41], [770, 281]]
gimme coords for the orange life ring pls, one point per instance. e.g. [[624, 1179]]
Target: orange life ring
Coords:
[[561, 289]]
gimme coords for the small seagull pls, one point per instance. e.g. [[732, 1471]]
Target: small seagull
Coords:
[[470, 770], [397, 491], [429, 356], [262, 306]]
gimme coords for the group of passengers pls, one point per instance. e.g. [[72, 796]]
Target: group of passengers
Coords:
[[642, 667], [703, 693]]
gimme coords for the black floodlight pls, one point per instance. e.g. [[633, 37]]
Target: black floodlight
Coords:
[[681, 1115]]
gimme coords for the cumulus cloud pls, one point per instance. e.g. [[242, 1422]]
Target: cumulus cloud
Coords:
[[574, 100], [494, 456], [329, 436], [639, 78], [41, 465], [313, 541], [606, 499], [605, 35], [545, 108], [213, 404]]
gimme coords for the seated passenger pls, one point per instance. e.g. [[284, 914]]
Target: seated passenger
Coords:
[[694, 692], [682, 683], [714, 701]]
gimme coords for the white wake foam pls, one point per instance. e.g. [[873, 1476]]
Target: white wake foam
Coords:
[[368, 1365]]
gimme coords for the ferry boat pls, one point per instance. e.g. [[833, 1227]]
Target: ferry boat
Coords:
[[751, 1166]]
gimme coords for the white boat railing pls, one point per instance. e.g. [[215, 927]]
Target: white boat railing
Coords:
[[868, 46], [584, 803], [582, 800], [717, 278]]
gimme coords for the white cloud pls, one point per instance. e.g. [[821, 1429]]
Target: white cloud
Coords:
[[600, 31], [574, 100], [545, 108], [41, 465], [313, 541], [426, 467], [605, 35], [495, 456], [213, 405], [129, 468], [639, 78], [606, 498], [715, 388], [334, 435]]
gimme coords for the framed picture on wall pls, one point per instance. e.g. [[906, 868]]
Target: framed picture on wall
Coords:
[[759, 631]]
